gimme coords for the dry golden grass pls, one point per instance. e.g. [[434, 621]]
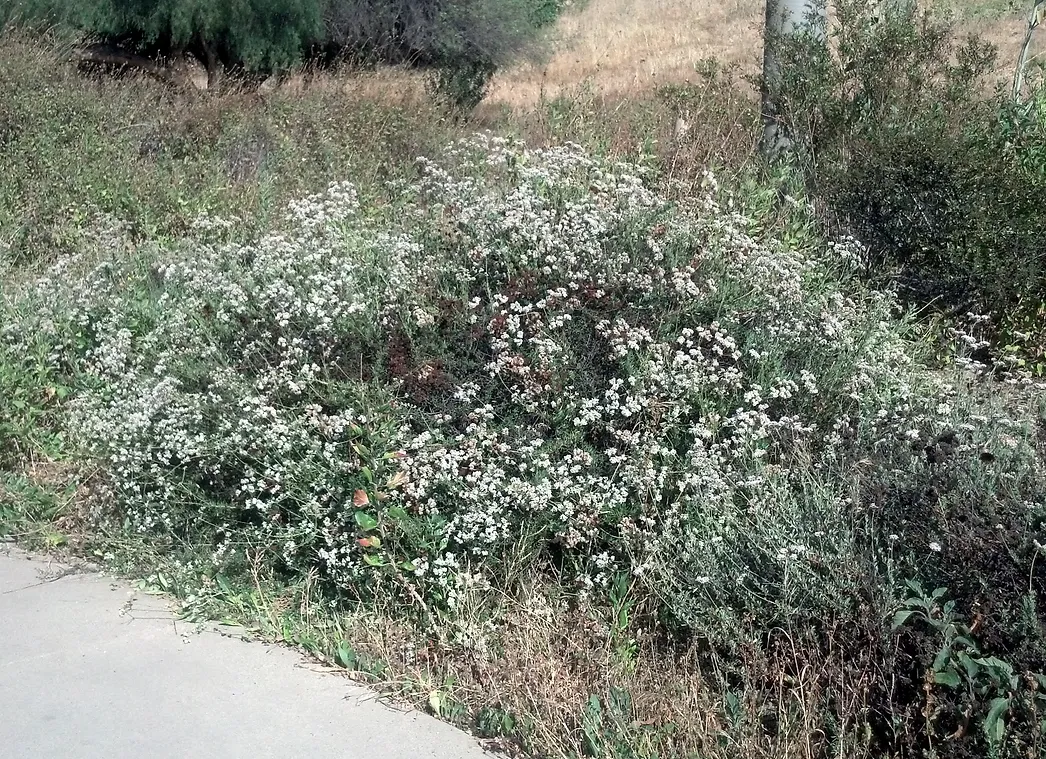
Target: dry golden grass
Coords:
[[551, 656], [624, 49], [625, 46]]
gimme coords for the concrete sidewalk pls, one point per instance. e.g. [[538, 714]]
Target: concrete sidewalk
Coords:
[[91, 669]]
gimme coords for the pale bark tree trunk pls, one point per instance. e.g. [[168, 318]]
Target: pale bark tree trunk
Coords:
[[783, 18], [1038, 16]]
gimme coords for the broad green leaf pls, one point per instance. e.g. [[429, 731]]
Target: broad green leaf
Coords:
[[900, 618], [365, 521], [972, 668], [994, 724], [999, 670], [372, 560], [948, 677], [942, 658]]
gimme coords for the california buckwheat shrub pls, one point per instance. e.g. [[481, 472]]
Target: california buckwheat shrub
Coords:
[[524, 354]]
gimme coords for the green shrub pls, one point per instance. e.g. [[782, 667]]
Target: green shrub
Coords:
[[463, 40], [32, 390], [134, 150], [259, 35], [905, 139]]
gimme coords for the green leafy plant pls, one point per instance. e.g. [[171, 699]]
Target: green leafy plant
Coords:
[[621, 598], [28, 510], [32, 391], [988, 689], [494, 722]]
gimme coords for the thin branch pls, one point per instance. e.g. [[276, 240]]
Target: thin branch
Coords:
[[108, 57]]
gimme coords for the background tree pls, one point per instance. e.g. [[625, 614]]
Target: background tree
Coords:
[[464, 41], [251, 35]]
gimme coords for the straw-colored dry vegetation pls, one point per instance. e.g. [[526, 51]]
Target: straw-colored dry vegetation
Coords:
[[625, 47]]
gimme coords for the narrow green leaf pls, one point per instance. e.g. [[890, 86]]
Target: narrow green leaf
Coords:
[[345, 655], [223, 584], [916, 587]]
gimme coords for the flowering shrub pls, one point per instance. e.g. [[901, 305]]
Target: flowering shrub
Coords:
[[530, 374], [526, 355]]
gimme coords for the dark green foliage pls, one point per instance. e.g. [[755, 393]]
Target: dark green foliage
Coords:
[[463, 82], [436, 31], [465, 40], [259, 35], [902, 132]]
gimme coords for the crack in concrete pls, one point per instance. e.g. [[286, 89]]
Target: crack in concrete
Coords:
[[67, 572]]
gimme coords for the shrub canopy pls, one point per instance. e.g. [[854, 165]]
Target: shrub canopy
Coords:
[[912, 147], [270, 35]]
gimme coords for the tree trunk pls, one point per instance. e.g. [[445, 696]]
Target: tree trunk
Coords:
[[1038, 15], [211, 62], [783, 18]]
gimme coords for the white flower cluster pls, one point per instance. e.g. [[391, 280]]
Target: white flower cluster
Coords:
[[535, 348]]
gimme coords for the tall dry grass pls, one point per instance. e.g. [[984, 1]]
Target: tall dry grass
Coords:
[[626, 46]]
